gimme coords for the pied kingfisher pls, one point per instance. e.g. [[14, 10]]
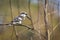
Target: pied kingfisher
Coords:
[[19, 18]]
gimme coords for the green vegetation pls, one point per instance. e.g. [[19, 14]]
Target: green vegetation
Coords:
[[24, 33]]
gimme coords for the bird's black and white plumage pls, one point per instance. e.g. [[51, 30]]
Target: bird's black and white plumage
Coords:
[[19, 18]]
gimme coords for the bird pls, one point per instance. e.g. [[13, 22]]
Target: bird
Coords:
[[19, 18]]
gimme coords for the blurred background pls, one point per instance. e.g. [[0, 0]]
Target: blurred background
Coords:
[[9, 9]]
